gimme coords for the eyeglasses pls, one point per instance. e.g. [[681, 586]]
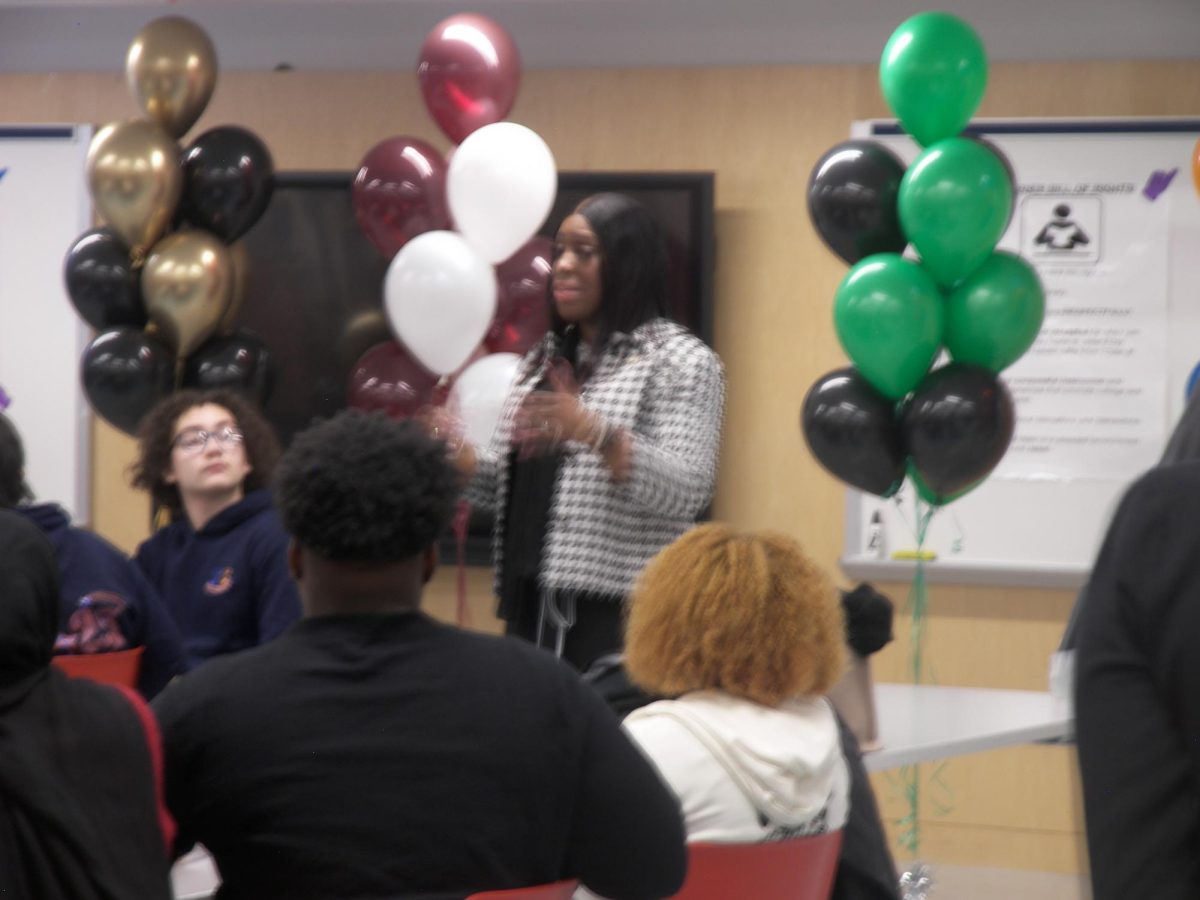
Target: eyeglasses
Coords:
[[194, 440]]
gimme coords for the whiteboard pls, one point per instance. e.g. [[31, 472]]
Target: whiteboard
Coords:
[[44, 206], [1032, 528]]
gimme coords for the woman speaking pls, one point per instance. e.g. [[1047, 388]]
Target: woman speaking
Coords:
[[607, 448]]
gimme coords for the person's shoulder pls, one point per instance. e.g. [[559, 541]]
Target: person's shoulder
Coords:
[[93, 544], [510, 662], [495, 650], [678, 347], [217, 680], [160, 540], [262, 528], [1164, 488], [1177, 473]]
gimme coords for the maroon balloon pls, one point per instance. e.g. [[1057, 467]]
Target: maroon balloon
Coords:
[[521, 316], [469, 70], [386, 378], [400, 192]]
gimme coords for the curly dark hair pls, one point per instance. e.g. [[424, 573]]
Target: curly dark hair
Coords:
[[633, 265], [157, 432], [13, 488], [362, 488]]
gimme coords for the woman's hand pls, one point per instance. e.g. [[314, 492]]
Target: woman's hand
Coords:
[[442, 425], [547, 418]]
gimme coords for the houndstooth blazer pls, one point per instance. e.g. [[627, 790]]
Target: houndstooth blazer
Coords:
[[666, 388]]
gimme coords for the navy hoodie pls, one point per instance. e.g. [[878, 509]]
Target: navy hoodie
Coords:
[[96, 576], [227, 585]]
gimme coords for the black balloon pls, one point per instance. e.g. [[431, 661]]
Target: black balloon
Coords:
[[956, 427], [852, 430], [103, 285], [228, 177], [124, 373], [239, 362], [852, 200]]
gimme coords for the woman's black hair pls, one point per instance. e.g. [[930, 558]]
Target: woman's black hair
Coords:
[[633, 265], [13, 488]]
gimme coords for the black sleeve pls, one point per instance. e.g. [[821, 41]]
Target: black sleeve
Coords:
[[1137, 695], [627, 837], [865, 869], [163, 657], [171, 710]]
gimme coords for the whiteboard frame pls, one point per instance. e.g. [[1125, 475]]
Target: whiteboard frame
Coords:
[[79, 416], [1015, 573]]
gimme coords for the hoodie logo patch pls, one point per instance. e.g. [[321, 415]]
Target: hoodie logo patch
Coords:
[[220, 582]]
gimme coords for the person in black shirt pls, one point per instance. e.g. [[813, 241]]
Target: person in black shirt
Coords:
[[372, 752], [1137, 684]]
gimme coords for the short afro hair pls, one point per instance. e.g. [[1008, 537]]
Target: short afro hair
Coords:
[[360, 487], [748, 614]]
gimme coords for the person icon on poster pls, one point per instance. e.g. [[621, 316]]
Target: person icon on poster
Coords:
[[1061, 233]]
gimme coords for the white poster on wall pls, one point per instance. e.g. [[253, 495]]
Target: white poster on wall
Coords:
[[1093, 217], [44, 206], [1108, 214], [1091, 393]]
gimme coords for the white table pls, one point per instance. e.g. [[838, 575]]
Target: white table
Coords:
[[920, 723]]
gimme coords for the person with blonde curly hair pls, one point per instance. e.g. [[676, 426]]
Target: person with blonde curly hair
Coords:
[[745, 634]]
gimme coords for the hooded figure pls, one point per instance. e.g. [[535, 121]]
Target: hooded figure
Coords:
[[78, 814]]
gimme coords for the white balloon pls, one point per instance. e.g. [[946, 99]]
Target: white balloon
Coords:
[[500, 186], [440, 298], [479, 393]]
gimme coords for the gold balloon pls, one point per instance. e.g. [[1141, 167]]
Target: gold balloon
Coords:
[[171, 69], [134, 176], [364, 330], [187, 284]]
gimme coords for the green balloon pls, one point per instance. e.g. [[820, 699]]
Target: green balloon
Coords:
[[955, 202], [933, 74], [994, 316], [889, 316]]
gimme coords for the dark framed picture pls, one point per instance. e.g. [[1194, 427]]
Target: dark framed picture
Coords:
[[313, 286]]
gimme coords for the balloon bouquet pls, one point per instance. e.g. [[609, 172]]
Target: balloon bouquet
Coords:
[[157, 281], [891, 414], [465, 291]]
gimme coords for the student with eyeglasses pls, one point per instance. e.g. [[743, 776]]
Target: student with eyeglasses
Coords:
[[221, 564]]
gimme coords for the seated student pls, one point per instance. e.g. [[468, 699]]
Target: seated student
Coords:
[[79, 817], [745, 632], [221, 566], [105, 602], [371, 751], [866, 870]]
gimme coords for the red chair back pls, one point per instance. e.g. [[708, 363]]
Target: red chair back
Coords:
[[560, 890], [118, 667], [796, 869]]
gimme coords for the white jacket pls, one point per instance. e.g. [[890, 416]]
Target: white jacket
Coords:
[[744, 772]]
